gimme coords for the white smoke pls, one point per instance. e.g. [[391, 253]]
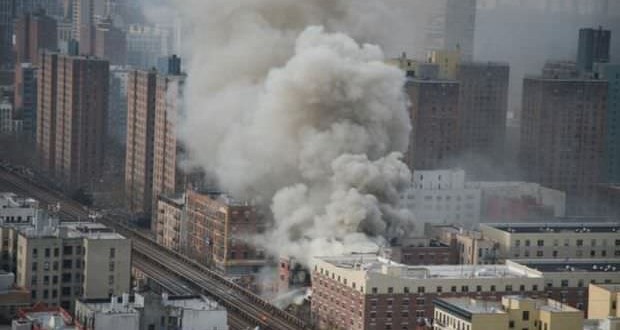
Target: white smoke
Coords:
[[309, 122]]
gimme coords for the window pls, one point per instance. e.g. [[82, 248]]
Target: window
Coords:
[[579, 242], [66, 278], [464, 288], [564, 283], [508, 288], [374, 290], [56, 252], [540, 242], [390, 290], [492, 288], [67, 250], [439, 289], [112, 252], [67, 263], [47, 252], [478, 288], [526, 315], [111, 266], [511, 324], [517, 243], [111, 279], [534, 287], [539, 253], [527, 242], [406, 289], [420, 289], [453, 289]]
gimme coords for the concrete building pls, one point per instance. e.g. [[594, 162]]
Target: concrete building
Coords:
[[11, 298], [421, 251], [151, 150], [555, 240], [441, 196], [448, 62], [117, 105], [216, 223], [146, 311], [26, 87], [518, 201], [563, 133], [603, 301], [71, 117], [363, 291], [470, 245], [41, 317], [15, 212], [171, 222], [83, 25], [146, 44], [483, 110], [434, 113], [611, 73], [594, 46], [514, 312], [110, 42], [61, 263]]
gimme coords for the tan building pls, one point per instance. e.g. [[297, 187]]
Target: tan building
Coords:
[[434, 113], [603, 301], [470, 245], [151, 151], [563, 133], [71, 117], [171, 223], [383, 293], [217, 225], [448, 61], [514, 312], [61, 263], [555, 241]]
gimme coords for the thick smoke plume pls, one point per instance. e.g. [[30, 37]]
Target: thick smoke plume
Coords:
[[306, 121]]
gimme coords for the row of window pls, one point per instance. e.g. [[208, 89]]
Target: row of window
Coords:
[[578, 242]]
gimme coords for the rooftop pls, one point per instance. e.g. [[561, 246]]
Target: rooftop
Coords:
[[585, 265], [372, 263], [89, 230], [466, 307], [593, 227]]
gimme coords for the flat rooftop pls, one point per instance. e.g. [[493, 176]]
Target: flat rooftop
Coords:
[[371, 263], [572, 266], [583, 227], [90, 230], [466, 307]]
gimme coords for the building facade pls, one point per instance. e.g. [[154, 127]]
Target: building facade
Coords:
[[603, 301], [594, 46], [434, 113], [61, 263], [483, 111], [513, 312], [171, 223], [611, 73], [362, 291], [563, 133], [555, 240], [217, 225]]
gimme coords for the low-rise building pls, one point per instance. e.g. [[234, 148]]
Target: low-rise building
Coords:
[[559, 240], [217, 225], [470, 245], [603, 301], [513, 312], [15, 212], [41, 317], [363, 291], [421, 251], [171, 223], [60, 263], [150, 311], [12, 299]]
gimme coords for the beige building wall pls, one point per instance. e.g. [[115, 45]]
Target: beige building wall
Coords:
[[107, 267], [603, 301], [548, 245], [448, 61]]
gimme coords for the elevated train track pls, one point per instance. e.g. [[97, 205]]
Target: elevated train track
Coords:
[[162, 264]]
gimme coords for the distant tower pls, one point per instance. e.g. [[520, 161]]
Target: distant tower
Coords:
[[594, 45]]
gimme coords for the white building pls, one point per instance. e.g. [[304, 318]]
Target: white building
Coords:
[[147, 311], [441, 197], [445, 197], [8, 125], [17, 210]]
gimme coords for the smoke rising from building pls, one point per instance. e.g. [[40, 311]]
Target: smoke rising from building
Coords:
[[300, 118]]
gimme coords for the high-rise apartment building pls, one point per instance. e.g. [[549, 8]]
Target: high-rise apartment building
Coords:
[[7, 15], [611, 73], [34, 32], [71, 117], [434, 113], [483, 110], [146, 44], [563, 132], [151, 150], [594, 45], [26, 95], [141, 96], [110, 42], [62, 263], [84, 25]]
